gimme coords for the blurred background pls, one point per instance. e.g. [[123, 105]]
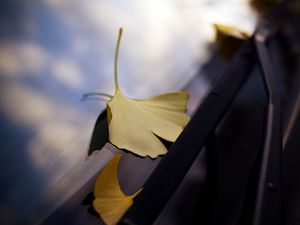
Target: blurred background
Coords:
[[54, 51]]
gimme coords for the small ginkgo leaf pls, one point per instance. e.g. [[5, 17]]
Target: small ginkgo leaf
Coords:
[[135, 125], [110, 202], [229, 39]]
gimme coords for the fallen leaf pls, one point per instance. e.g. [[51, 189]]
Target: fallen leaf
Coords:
[[229, 39], [136, 125], [110, 202]]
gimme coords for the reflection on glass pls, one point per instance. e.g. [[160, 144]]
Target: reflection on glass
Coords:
[[52, 52]]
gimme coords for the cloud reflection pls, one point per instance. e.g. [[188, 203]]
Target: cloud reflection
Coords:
[[18, 59], [165, 37], [68, 73], [66, 48]]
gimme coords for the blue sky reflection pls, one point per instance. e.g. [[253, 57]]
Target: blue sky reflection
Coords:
[[53, 51]]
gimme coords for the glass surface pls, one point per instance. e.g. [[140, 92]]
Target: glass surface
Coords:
[[53, 51]]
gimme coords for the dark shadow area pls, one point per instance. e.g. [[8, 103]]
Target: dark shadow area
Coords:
[[17, 189], [100, 133], [231, 155]]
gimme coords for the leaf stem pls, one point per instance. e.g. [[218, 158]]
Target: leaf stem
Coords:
[[117, 57]]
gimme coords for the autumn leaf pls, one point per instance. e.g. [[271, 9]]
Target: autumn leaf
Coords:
[[142, 120], [110, 202], [135, 125], [229, 39]]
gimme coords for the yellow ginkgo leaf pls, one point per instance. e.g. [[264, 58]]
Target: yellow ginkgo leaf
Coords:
[[110, 202], [135, 125], [229, 39]]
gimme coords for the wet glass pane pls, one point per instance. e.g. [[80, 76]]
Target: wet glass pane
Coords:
[[52, 52]]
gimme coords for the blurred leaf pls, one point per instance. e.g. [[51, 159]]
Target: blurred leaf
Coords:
[[110, 202], [229, 39], [135, 125]]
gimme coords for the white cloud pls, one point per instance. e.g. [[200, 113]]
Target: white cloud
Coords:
[[163, 40], [61, 132], [67, 72], [18, 59], [23, 59]]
